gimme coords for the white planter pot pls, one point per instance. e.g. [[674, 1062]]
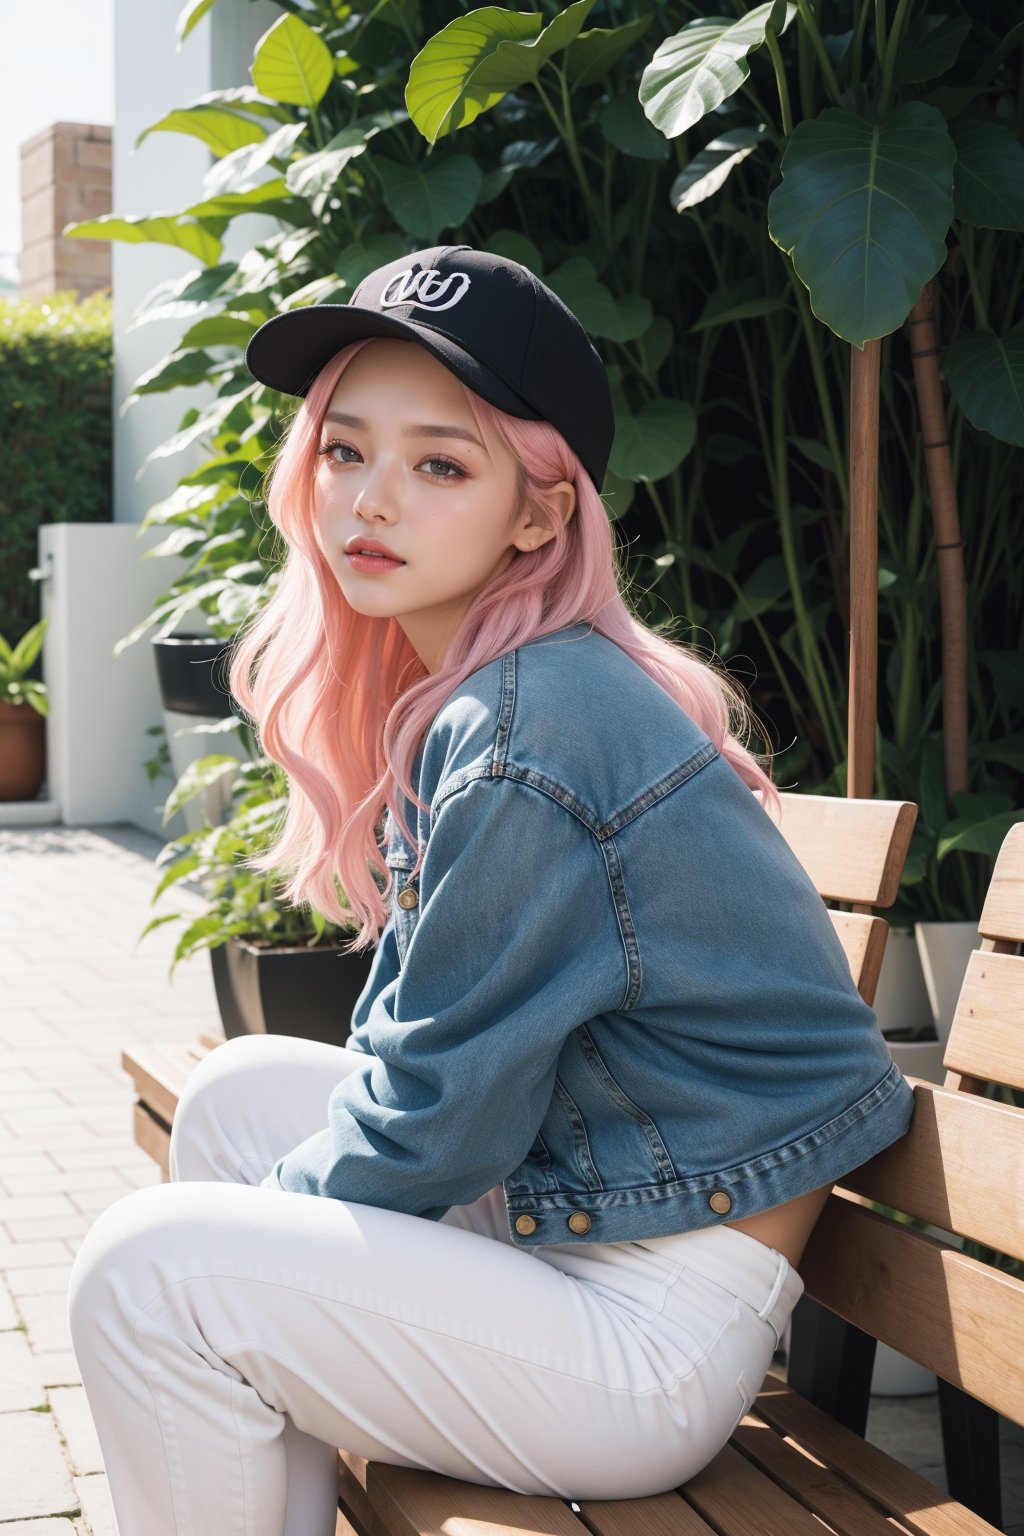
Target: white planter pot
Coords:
[[901, 1001], [896, 1376], [945, 949], [919, 1058]]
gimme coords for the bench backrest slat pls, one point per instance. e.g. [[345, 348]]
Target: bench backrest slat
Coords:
[[959, 1168], [863, 940], [953, 1315], [987, 1037], [935, 1172], [854, 850], [1002, 916]]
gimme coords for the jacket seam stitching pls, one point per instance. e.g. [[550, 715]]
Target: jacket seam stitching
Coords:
[[627, 928]]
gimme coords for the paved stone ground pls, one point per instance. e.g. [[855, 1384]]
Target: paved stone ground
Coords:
[[75, 989]]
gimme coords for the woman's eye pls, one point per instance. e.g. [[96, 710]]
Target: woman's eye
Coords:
[[436, 467], [456, 470], [344, 447]]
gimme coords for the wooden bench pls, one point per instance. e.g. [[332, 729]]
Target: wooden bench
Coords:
[[789, 1469]]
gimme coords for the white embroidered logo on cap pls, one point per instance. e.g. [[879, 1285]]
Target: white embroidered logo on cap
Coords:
[[428, 295]]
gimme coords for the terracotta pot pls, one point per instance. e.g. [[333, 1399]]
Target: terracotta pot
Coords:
[[22, 751]]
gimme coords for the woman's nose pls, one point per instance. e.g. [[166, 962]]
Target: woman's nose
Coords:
[[376, 496]]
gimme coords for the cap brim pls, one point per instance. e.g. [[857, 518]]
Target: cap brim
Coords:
[[289, 350]]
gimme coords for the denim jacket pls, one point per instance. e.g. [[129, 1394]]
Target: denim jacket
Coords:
[[612, 987]]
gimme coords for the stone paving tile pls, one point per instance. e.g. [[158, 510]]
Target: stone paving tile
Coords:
[[36, 1282], [71, 1410], [46, 1317], [21, 1385], [9, 1315], [67, 1147], [65, 1227], [58, 1368], [70, 1181], [94, 1494], [15, 1256], [36, 1479]]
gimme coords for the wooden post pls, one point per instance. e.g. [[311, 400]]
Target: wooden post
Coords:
[[864, 393], [949, 549]]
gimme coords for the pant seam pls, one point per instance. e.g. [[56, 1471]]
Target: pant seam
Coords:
[[657, 1390]]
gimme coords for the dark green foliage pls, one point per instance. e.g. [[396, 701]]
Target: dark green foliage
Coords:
[[56, 365], [656, 164]]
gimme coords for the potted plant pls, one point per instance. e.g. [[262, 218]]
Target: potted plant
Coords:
[[276, 969], [23, 703]]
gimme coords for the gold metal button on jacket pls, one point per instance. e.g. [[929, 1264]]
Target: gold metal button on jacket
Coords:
[[408, 898], [720, 1202], [525, 1225], [579, 1221]]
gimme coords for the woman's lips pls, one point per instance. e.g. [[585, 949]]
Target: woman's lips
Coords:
[[373, 562]]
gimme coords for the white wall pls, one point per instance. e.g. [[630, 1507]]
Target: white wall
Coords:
[[98, 587], [165, 174], [100, 706]]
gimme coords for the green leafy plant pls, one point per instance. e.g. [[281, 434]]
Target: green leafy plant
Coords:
[[16, 687], [656, 166], [239, 903]]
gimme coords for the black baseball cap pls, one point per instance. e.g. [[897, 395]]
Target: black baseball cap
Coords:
[[494, 324]]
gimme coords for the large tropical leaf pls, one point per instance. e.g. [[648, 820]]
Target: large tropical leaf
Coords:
[[474, 61], [429, 197], [988, 178], [238, 171], [164, 228], [293, 63], [219, 129], [653, 441], [624, 125], [710, 167], [929, 47], [592, 55], [597, 309], [703, 64], [986, 378], [863, 209]]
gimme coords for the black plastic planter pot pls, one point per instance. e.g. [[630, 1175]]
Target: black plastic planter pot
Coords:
[[193, 675], [309, 993]]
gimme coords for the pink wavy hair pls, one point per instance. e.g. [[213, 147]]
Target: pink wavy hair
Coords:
[[341, 701]]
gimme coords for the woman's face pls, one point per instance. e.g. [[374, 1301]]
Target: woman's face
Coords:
[[407, 467]]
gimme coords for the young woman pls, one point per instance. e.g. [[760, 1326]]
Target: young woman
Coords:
[[539, 1223]]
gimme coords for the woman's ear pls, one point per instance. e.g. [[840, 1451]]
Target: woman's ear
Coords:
[[561, 498]]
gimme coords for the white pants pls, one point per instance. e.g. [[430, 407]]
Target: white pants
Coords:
[[230, 1338]]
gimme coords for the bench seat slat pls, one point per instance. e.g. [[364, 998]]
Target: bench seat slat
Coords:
[[413, 1503], [661, 1514], [917, 1504], [932, 1172], [843, 1509], [737, 1499]]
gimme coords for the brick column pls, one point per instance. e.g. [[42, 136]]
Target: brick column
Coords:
[[65, 176]]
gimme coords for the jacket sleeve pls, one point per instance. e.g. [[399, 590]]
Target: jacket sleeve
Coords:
[[383, 970], [516, 944]]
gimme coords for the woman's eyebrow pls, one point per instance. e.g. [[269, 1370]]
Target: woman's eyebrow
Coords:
[[424, 430]]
